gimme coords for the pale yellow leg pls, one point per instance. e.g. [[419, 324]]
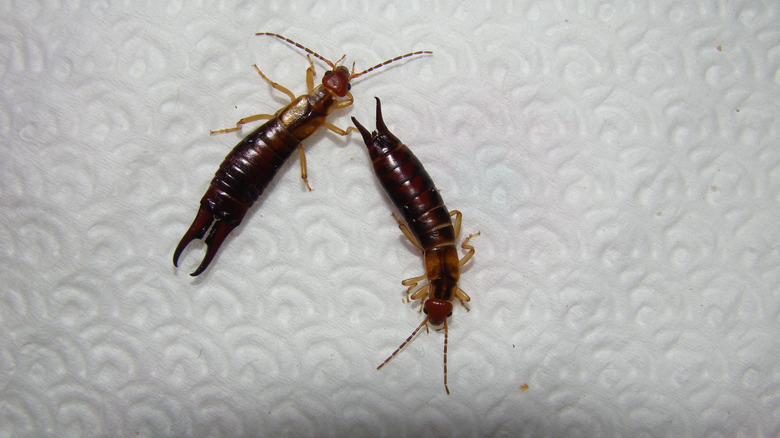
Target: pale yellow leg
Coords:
[[310, 74], [342, 104], [420, 294], [462, 297], [460, 294], [241, 122], [274, 84], [469, 249], [304, 175], [257, 117], [331, 127], [411, 283], [338, 130], [404, 229], [346, 102], [456, 225]]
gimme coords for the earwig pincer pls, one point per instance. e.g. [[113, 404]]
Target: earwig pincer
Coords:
[[428, 225], [251, 165]]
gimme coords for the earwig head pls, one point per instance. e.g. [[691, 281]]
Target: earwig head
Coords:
[[381, 141], [337, 80], [437, 310]]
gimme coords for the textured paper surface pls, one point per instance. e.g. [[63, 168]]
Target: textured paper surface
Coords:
[[620, 159]]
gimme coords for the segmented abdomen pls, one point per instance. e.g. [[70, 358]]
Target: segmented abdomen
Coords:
[[413, 192], [246, 171]]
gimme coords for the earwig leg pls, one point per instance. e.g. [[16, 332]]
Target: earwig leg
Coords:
[[310, 74], [411, 283], [420, 294], [346, 102], [409, 235], [463, 297], [338, 130], [458, 216], [404, 229], [274, 84], [470, 249], [303, 166], [241, 122]]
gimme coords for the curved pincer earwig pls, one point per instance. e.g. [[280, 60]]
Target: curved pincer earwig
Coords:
[[198, 229], [251, 165], [428, 225]]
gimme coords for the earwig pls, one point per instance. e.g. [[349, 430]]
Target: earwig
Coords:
[[251, 165], [428, 226]]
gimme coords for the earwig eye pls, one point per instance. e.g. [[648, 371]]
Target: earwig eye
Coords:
[[425, 311], [349, 87], [329, 72], [449, 314]]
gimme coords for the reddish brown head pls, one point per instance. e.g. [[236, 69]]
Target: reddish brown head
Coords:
[[437, 310], [337, 80]]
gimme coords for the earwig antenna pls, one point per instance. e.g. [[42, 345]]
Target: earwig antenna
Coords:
[[302, 47], [446, 388], [403, 344], [333, 64], [397, 58]]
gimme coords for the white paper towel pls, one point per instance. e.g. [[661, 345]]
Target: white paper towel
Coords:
[[619, 158]]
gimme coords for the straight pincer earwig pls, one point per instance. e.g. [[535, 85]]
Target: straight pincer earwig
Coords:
[[251, 165], [427, 224]]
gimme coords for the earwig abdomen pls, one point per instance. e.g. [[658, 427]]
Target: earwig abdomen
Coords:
[[412, 190], [249, 168], [246, 171], [253, 163]]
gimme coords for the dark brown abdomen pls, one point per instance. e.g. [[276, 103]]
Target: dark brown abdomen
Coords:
[[246, 171], [412, 191]]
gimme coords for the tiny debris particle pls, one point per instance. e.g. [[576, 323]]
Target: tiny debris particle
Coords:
[[720, 48], [524, 387]]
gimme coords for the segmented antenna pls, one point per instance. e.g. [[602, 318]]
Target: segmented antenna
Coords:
[[302, 47], [397, 58], [333, 64]]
